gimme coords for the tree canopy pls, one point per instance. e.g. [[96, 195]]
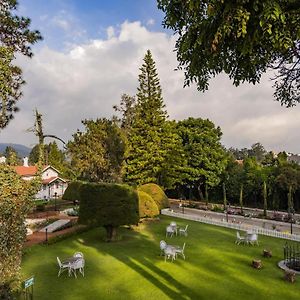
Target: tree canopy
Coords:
[[206, 157], [15, 36], [14, 30], [241, 38], [10, 84], [98, 153], [154, 148], [12, 157]]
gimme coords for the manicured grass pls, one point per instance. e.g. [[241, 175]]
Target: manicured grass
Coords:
[[215, 268]]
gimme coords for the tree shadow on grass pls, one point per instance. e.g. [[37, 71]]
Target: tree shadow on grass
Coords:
[[144, 260], [139, 251]]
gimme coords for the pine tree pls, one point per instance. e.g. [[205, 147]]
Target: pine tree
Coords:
[[154, 147], [12, 157]]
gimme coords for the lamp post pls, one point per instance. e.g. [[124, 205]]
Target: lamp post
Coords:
[[291, 215], [55, 196]]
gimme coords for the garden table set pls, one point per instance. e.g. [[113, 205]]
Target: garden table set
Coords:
[[249, 238], [173, 229], [171, 251], [72, 264]]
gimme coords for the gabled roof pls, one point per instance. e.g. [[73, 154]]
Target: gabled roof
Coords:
[[48, 167], [52, 179], [26, 171], [31, 170]]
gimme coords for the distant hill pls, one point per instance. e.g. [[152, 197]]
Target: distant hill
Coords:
[[21, 149]]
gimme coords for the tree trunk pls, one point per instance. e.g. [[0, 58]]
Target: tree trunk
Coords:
[[265, 198], [200, 192], [241, 199], [111, 233], [206, 194], [224, 196]]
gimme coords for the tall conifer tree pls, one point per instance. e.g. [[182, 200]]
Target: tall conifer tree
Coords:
[[154, 147]]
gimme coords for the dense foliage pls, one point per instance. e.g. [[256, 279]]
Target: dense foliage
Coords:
[[14, 30], [12, 157], [266, 184], [72, 192], [147, 206], [15, 36], [10, 85], [154, 148], [98, 153], [157, 194], [108, 205], [15, 197], [206, 158], [241, 38]]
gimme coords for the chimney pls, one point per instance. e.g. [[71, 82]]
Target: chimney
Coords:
[[25, 161]]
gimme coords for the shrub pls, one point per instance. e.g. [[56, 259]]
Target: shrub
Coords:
[[147, 206], [72, 191], [157, 194], [15, 202], [217, 208], [108, 205], [41, 207]]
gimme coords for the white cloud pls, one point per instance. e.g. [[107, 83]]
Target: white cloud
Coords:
[[110, 32], [61, 23], [87, 80], [151, 22]]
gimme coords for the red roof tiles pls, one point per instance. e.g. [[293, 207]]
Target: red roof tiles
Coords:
[[26, 171]]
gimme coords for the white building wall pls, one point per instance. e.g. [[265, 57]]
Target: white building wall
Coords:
[[48, 191], [49, 173], [27, 177]]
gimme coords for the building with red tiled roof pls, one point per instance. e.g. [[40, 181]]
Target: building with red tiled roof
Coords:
[[52, 184], [26, 171]]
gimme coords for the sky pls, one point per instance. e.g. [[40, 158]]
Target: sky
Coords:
[[91, 54]]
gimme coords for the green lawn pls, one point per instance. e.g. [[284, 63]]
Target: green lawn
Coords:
[[215, 268]]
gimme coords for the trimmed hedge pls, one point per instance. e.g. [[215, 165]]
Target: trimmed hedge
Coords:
[[147, 206], [107, 204], [72, 191], [158, 195]]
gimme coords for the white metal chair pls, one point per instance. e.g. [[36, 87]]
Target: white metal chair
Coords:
[[78, 254], [252, 239], [240, 239], [77, 265], [170, 252], [180, 250], [162, 246], [174, 226], [169, 231], [62, 267], [183, 231]]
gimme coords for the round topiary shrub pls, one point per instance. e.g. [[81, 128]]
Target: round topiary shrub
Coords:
[[72, 191], [147, 206], [158, 195]]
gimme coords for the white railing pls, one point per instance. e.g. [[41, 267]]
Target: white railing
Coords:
[[237, 226]]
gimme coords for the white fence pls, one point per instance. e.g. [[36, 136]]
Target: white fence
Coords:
[[237, 226]]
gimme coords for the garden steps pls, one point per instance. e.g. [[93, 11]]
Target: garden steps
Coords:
[[56, 225]]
